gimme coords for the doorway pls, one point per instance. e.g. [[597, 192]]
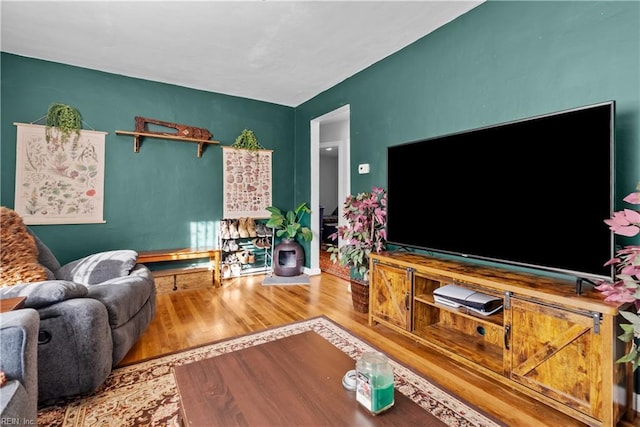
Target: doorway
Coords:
[[331, 130]]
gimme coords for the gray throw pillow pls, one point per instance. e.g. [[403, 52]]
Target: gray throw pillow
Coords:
[[45, 256], [97, 268], [42, 294]]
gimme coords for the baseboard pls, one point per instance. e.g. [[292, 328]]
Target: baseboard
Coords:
[[311, 271]]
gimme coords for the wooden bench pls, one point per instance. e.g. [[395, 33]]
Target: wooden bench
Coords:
[[184, 254]]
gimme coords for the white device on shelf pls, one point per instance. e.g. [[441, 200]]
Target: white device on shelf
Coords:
[[457, 296]]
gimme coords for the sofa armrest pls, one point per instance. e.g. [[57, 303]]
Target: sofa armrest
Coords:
[[42, 294], [124, 296], [18, 360], [99, 267]]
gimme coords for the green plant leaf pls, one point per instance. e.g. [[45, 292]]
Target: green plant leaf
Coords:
[[247, 140], [66, 119], [288, 224]]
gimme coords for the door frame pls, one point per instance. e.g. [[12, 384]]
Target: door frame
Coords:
[[344, 178]]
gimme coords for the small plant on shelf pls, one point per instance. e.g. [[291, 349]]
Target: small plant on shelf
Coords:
[[247, 140], [65, 119], [626, 287]]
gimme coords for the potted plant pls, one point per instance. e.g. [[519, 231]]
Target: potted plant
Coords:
[[288, 254], [626, 287], [365, 232], [247, 140], [65, 119]]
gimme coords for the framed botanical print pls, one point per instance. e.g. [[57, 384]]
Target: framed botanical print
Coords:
[[247, 182], [59, 182]]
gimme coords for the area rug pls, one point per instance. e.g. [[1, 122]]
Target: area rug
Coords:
[[145, 394], [302, 279]]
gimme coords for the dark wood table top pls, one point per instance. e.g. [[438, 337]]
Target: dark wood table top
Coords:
[[293, 381], [8, 304]]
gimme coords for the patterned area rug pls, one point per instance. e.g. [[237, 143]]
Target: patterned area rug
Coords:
[[145, 394]]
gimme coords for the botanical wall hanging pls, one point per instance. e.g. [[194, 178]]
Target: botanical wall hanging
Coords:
[[246, 182], [59, 182]]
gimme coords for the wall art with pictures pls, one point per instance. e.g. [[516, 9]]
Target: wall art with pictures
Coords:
[[247, 182], [59, 183]]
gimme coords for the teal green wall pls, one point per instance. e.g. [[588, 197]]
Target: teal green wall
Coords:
[[499, 62], [152, 198]]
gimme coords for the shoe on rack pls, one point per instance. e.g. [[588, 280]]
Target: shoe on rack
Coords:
[[224, 229], [261, 230], [251, 227], [242, 228], [233, 245], [263, 243], [226, 271], [236, 269], [225, 246], [251, 258], [243, 257], [233, 229]]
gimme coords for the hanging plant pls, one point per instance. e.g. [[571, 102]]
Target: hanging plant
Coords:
[[247, 140], [66, 119]]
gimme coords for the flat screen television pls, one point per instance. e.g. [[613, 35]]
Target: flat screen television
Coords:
[[532, 192]]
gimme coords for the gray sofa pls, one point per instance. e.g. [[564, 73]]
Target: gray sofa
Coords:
[[92, 311], [18, 360]]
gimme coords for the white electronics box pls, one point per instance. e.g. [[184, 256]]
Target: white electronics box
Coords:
[[457, 296]]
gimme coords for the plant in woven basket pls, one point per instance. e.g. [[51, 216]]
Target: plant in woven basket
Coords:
[[626, 287], [64, 118], [365, 232]]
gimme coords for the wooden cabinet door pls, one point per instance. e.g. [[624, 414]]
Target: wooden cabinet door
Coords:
[[390, 294], [557, 353]]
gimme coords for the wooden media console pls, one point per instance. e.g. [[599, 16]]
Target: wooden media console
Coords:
[[548, 341]]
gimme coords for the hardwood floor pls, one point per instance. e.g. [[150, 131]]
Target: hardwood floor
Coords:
[[194, 317]]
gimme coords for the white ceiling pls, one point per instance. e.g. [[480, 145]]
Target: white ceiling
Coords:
[[284, 52]]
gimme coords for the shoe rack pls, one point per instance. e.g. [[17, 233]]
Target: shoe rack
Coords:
[[246, 245]]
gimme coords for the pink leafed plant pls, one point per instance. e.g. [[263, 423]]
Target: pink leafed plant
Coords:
[[626, 286], [365, 232]]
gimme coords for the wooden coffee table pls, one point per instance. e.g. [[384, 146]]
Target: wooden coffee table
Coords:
[[293, 381]]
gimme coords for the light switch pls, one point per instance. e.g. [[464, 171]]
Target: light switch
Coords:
[[363, 168]]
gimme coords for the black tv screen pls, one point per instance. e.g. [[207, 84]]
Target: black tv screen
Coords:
[[533, 192]]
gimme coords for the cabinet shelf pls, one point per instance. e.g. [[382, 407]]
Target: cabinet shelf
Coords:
[[472, 348], [495, 319], [139, 136]]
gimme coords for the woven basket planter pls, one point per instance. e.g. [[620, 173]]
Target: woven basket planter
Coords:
[[360, 296]]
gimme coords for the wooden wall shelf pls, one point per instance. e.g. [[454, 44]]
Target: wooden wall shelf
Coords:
[[138, 136]]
